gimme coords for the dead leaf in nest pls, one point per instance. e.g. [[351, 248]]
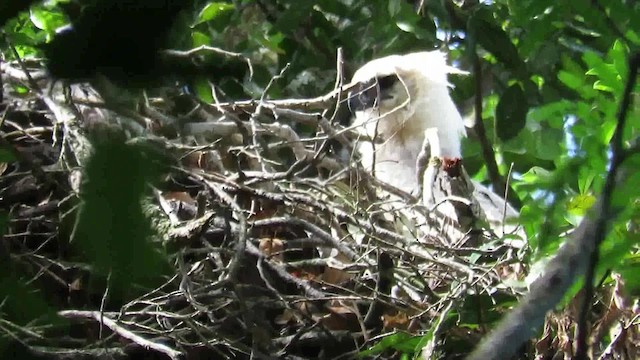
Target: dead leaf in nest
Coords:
[[272, 248], [513, 272], [265, 209], [619, 295], [193, 159], [179, 196], [286, 317], [335, 276], [565, 335], [340, 318], [545, 343], [398, 320], [295, 314], [304, 274]]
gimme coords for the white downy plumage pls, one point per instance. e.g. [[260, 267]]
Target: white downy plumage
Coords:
[[401, 97]]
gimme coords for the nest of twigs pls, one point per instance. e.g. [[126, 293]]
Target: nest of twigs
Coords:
[[280, 247]]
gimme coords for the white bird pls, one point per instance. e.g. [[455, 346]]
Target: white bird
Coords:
[[399, 97]]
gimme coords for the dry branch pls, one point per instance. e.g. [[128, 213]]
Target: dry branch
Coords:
[[280, 247]]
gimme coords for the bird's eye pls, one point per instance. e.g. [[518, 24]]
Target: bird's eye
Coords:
[[386, 82], [369, 93]]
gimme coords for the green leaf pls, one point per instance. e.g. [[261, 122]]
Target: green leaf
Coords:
[[608, 78], [47, 20], [511, 112], [6, 155], [212, 11], [585, 179], [20, 89], [494, 39], [23, 38], [553, 113], [618, 54], [408, 21], [203, 90], [571, 80], [394, 7], [199, 38], [548, 143], [616, 248], [579, 204], [273, 42], [400, 341], [537, 174], [599, 85], [630, 271], [293, 17], [428, 337]]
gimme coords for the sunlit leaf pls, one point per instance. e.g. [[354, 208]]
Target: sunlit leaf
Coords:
[[198, 39], [585, 180], [47, 20], [203, 90], [213, 10], [400, 341], [579, 204], [608, 77], [536, 174], [599, 85], [571, 80], [618, 54]]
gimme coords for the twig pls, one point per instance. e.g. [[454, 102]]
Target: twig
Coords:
[[103, 302], [241, 243], [111, 324], [320, 102], [203, 48], [478, 126], [308, 290]]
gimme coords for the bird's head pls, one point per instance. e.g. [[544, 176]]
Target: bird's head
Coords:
[[386, 83], [402, 95]]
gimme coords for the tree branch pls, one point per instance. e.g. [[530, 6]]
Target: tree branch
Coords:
[[570, 261], [618, 156]]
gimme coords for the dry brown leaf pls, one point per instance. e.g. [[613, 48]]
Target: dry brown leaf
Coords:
[[340, 318], [179, 196], [397, 321], [272, 248]]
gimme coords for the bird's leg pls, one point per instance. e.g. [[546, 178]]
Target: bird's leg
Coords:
[[446, 187]]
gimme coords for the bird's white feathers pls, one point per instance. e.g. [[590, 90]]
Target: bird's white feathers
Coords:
[[420, 101]]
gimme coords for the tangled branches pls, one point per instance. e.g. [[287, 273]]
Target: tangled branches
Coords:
[[279, 245]]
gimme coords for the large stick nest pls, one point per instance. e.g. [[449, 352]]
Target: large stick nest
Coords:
[[279, 246]]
